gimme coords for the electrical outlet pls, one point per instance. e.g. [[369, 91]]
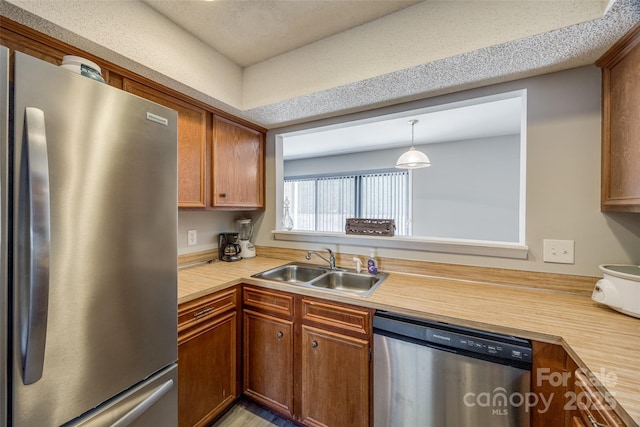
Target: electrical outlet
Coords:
[[192, 237], [558, 251]]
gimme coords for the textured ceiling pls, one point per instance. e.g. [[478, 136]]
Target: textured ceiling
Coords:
[[329, 81], [463, 47], [248, 32], [561, 49]]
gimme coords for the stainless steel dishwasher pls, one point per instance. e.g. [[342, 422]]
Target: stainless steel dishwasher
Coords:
[[431, 374]]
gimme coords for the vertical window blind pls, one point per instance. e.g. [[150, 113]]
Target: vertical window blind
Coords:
[[323, 203]]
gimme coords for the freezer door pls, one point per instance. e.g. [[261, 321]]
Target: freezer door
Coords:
[[151, 403], [95, 242]]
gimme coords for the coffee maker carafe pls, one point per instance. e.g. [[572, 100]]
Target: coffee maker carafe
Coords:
[[228, 247], [245, 230]]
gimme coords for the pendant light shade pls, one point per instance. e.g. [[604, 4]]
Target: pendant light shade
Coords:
[[413, 159]]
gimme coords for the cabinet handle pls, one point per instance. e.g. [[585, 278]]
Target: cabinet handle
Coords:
[[203, 312], [223, 195], [279, 334], [314, 344], [583, 408], [593, 421]]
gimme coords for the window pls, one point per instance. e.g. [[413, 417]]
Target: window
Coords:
[[471, 201], [323, 203]]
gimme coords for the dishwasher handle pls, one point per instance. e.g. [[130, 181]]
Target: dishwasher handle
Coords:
[[501, 349]]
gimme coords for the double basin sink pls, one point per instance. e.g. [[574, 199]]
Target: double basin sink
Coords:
[[318, 277]]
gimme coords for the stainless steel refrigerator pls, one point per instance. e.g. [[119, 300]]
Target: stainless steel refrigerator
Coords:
[[88, 203]]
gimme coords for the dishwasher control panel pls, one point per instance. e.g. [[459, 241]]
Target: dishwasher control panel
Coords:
[[481, 345], [454, 337]]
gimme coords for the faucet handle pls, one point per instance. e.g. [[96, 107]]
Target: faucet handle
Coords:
[[358, 262]]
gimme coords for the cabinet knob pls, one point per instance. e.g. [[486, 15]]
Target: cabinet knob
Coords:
[[314, 344], [223, 195], [279, 334]]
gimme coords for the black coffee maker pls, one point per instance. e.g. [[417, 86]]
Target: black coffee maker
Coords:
[[229, 247]]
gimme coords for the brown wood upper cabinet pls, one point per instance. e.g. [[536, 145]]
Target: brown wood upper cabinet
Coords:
[[621, 124], [238, 166], [220, 161], [228, 173], [192, 144]]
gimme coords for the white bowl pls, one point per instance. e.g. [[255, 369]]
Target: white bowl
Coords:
[[619, 288], [83, 67]]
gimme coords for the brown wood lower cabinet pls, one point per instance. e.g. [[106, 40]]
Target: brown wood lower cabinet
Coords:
[[571, 395], [268, 361], [208, 354], [268, 348], [308, 359], [335, 379], [549, 382], [589, 406]]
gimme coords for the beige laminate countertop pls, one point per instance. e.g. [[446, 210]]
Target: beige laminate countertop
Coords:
[[598, 338]]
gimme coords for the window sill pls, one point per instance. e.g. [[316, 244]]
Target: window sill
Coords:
[[452, 246]]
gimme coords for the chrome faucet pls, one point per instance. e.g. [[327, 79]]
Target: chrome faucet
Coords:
[[331, 260]]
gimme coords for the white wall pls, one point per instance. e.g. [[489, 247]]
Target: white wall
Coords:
[[471, 190], [209, 225], [563, 178]]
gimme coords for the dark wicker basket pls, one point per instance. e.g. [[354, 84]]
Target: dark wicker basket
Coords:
[[370, 227]]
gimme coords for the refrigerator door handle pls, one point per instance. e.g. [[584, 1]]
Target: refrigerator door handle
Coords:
[[143, 406], [33, 245]]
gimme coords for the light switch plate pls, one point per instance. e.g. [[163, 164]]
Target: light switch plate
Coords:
[[192, 237], [558, 251]]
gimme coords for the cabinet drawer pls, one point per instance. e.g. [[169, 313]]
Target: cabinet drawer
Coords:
[[206, 307], [594, 408], [342, 317], [273, 302]]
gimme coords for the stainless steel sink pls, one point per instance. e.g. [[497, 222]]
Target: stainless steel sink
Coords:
[[312, 276], [292, 273], [346, 281]]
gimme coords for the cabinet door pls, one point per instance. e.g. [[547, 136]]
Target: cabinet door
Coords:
[[192, 144], [620, 125], [595, 407], [550, 361], [268, 361], [238, 166], [207, 363], [335, 379]]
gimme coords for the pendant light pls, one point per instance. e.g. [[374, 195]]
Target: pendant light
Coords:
[[413, 159]]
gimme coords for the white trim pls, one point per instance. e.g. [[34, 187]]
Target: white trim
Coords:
[[523, 169], [279, 179], [432, 244]]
